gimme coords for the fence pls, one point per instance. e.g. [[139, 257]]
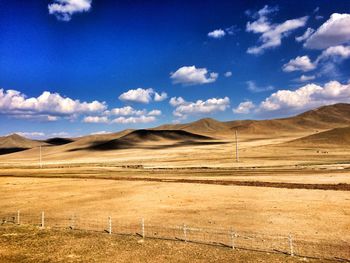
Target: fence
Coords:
[[291, 245]]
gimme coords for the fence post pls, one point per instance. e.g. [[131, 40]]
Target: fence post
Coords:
[[42, 219], [18, 215], [110, 225], [143, 228], [185, 232], [233, 235], [290, 239], [72, 223]]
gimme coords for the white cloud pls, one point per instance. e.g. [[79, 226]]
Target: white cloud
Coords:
[[335, 31], [304, 78], [125, 111], [137, 95], [254, 88], [95, 119], [306, 97], [306, 35], [155, 113], [299, 63], [271, 34], [64, 9], [339, 52], [244, 107], [160, 97], [176, 101], [134, 120], [49, 106], [190, 75], [184, 108], [228, 74], [218, 33]]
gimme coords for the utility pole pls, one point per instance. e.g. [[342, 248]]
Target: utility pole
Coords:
[[236, 136], [41, 165]]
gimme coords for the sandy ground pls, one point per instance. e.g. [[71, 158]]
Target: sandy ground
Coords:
[[23, 244], [159, 196], [305, 213]]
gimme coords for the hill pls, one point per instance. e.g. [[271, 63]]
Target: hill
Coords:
[[334, 137], [151, 139], [14, 143], [320, 119]]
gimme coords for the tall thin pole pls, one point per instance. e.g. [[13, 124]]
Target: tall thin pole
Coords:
[[236, 136], [41, 165]]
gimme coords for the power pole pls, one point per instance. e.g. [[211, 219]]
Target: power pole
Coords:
[[41, 165], [236, 136]]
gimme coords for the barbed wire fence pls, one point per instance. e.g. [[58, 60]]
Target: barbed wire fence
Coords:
[[290, 245]]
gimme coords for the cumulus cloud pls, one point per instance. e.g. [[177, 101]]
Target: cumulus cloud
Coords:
[[95, 119], [64, 9], [251, 86], [244, 107], [299, 64], [190, 75], [304, 78], [271, 34], [306, 35], [160, 97], [327, 60], [142, 96], [137, 95], [125, 111], [228, 74], [48, 105], [134, 120], [127, 115], [185, 108], [176, 101], [217, 33], [154, 113], [306, 97], [335, 31], [335, 52]]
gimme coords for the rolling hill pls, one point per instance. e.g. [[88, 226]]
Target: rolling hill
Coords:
[[14, 143], [334, 137]]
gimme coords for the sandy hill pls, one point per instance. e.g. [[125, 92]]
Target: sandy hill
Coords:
[[333, 137], [207, 126], [320, 119], [15, 143], [151, 138]]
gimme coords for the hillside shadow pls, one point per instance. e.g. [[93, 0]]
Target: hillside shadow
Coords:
[[122, 145], [4, 151]]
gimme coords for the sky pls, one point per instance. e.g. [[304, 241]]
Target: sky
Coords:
[[76, 67]]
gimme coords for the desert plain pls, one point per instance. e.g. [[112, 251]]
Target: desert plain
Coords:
[[291, 176]]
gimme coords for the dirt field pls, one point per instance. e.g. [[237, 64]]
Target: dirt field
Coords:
[[272, 190], [23, 244]]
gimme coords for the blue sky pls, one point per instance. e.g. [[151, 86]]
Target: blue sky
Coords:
[[75, 67]]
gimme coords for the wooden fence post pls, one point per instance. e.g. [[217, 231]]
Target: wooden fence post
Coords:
[[233, 235], [18, 217], [72, 223], [42, 219], [143, 228], [110, 225], [185, 232], [290, 239]]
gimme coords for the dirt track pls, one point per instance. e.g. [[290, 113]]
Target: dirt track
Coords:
[[335, 187]]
